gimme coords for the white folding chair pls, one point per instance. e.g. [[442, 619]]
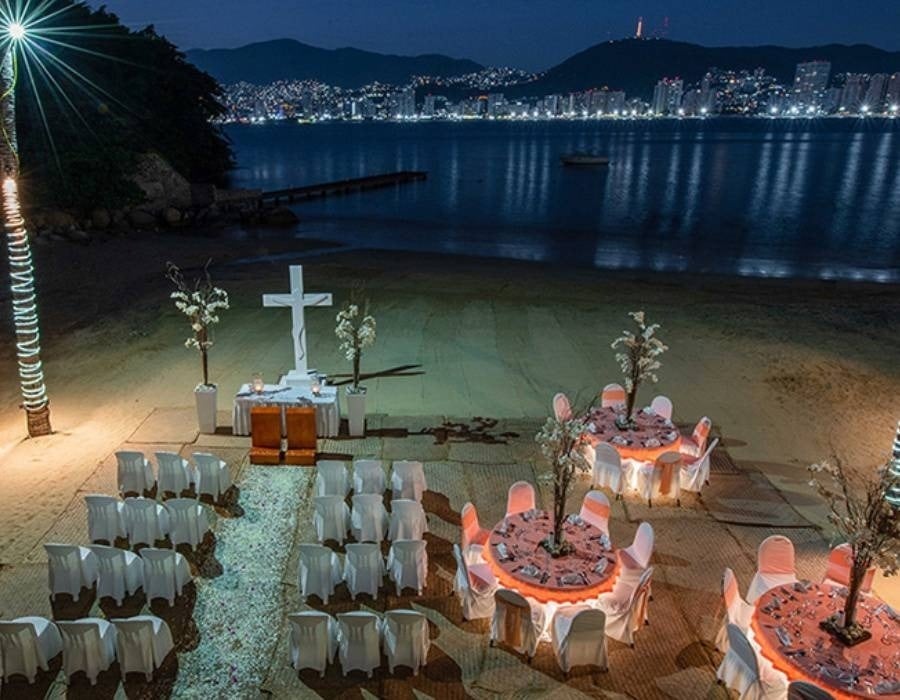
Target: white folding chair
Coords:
[[840, 562], [70, 568], [516, 622], [472, 533], [406, 639], [696, 443], [595, 510], [407, 565], [331, 518], [474, 585], [626, 607], [578, 637], [408, 521], [520, 498], [801, 690], [613, 395], [359, 641], [166, 573], [89, 645], [608, 471], [562, 409], [368, 476], [105, 519], [363, 569], [319, 572], [145, 520], [313, 640], [188, 521], [133, 472], [121, 572], [662, 406], [213, 475], [740, 670], [142, 644], [695, 473], [331, 478], [175, 473], [774, 566], [408, 480], [737, 610], [27, 644], [368, 519]]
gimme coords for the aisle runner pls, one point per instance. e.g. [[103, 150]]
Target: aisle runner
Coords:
[[238, 614]]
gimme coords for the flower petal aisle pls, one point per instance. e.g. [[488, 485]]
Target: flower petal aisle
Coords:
[[239, 613]]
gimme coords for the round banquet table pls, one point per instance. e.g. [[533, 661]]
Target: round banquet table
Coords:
[[653, 436], [814, 656], [568, 579]]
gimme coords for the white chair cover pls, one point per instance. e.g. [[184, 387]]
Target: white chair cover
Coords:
[[408, 480], [516, 622], [648, 480], [613, 395], [313, 640], [142, 644], [331, 518], [105, 518], [406, 639], [662, 406], [332, 478], [145, 520], [134, 473], [740, 670], [368, 519], [213, 475], [471, 532], [562, 409], [608, 469], [121, 572], [408, 521], [840, 562], [407, 565], [363, 569], [696, 443], [578, 636], [188, 521], [175, 473], [319, 572], [166, 572], [626, 607], [774, 567], [359, 641], [737, 611], [595, 510], [695, 475], [801, 690], [89, 645], [636, 558], [26, 645], [70, 568], [520, 498], [475, 586], [368, 476]]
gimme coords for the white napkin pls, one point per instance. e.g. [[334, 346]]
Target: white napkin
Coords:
[[601, 566], [648, 411], [575, 519], [571, 579], [619, 440], [668, 423], [783, 636], [503, 551], [605, 543], [652, 442], [591, 428], [671, 436], [531, 570], [887, 687]]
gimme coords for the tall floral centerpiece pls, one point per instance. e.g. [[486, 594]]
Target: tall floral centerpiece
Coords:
[[201, 302], [638, 356], [561, 443], [355, 330], [863, 518]]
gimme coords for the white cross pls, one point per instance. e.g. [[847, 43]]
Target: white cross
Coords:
[[297, 300]]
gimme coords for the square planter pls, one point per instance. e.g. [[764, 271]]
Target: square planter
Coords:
[[356, 413], [206, 400]]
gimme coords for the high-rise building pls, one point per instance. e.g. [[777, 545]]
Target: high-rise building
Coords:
[[853, 92], [660, 97], [675, 92], [406, 105], [810, 81], [893, 93], [615, 103], [428, 107], [495, 105], [832, 101], [874, 100], [551, 104]]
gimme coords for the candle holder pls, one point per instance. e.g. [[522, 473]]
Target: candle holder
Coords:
[[257, 384]]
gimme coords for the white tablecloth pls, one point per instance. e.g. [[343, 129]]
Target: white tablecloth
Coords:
[[328, 412]]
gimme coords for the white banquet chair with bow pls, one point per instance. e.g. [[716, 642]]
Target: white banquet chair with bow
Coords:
[[406, 639], [612, 396], [331, 518], [627, 607], [176, 474], [740, 669], [474, 585], [70, 568], [133, 472], [359, 641], [408, 480], [368, 476], [407, 565], [368, 519], [562, 408], [695, 444], [106, 520], [89, 645], [840, 563], [27, 645], [142, 644], [471, 533], [516, 622], [662, 406], [188, 521], [313, 640], [520, 498], [737, 610], [635, 559], [408, 521], [213, 475], [319, 572], [595, 510], [363, 569], [648, 478], [166, 573], [774, 566], [801, 690], [121, 573], [332, 478], [578, 637], [694, 475], [145, 520], [608, 470]]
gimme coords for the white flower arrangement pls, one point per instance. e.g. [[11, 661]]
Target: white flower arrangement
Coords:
[[355, 330], [639, 356]]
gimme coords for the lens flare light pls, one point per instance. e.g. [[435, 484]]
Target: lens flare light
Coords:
[[16, 31]]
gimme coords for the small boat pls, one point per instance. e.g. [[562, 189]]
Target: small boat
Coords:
[[584, 159]]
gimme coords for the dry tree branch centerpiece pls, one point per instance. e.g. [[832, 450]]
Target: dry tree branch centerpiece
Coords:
[[638, 358], [864, 519]]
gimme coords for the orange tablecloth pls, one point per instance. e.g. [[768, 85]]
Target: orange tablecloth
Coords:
[[824, 661], [522, 540], [659, 432]]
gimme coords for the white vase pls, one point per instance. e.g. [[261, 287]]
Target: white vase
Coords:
[[356, 413], [206, 399]]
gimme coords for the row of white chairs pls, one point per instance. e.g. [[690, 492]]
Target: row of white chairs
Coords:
[[144, 520], [363, 570], [407, 478], [358, 638], [368, 521], [521, 498], [613, 395], [139, 644], [209, 475], [117, 573]]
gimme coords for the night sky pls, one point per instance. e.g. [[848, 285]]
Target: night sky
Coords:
[[531, 34]]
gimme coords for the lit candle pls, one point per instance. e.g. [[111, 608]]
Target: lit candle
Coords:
[[258, 384]]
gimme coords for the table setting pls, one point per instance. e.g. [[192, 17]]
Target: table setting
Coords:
[[323, 397], [651, 436]]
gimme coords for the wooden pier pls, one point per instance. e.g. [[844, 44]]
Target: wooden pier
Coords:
[[356, 184]]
